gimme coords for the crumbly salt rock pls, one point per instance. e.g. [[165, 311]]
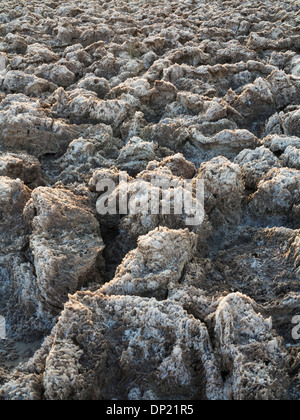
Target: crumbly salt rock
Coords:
[[159, 260], [61, 221], [18, 82], [58, 74], [96, 84], [255, 164], [252, 357], [278, 143], [277, 194], [74, 363], [180, 91], [23, 166], [26, 126], [136, 154], [224, 191], [291, 157], [13, 197], [178, 165]]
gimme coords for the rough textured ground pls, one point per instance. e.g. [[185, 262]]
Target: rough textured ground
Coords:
[[139, 306]]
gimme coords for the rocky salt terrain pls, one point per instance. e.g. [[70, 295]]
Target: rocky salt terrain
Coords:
[[144, 306]]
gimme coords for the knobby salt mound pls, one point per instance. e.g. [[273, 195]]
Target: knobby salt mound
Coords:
[[144, 306]]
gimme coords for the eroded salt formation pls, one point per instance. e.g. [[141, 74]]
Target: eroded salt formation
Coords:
[[146, 306]]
